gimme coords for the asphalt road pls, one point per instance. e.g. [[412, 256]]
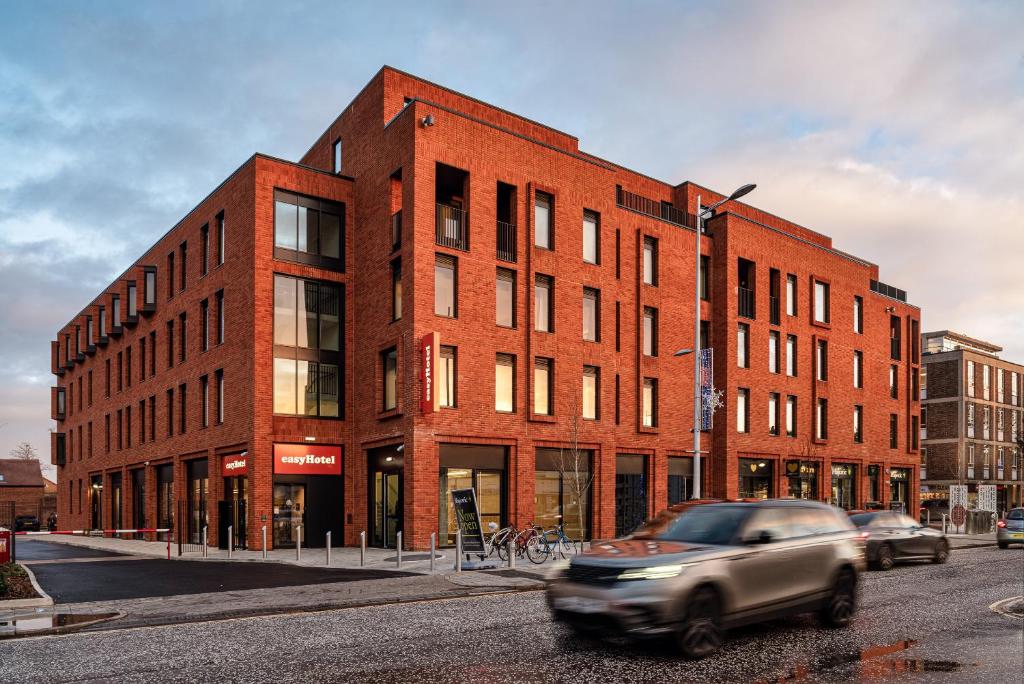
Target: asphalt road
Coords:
[[35, 550], [917, 623]]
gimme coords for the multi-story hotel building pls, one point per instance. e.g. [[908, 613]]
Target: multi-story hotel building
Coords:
[[971, 419], [443, 294]]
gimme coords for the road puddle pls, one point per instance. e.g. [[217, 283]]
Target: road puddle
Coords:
[[26, 625], [872, 664]]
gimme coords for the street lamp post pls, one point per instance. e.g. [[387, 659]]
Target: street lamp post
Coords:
[[701, 213]]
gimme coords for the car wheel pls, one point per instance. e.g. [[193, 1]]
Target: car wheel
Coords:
[[1004, 545], [884, 560], [700, 634], [941, 552], [842, 603]]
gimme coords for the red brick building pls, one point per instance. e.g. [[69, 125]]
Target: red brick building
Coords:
[[496, 301], [23, 490]]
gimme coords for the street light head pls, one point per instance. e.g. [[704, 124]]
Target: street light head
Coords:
[[683, 352], [742, 190]]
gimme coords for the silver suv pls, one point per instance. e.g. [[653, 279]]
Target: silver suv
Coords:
[[1010, 530], [703, 567]]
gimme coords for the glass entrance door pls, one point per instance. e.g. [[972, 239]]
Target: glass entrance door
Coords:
[[139, 501], [289, 513], [387, 508]]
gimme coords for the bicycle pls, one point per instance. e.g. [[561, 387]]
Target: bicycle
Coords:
[[551, 543]]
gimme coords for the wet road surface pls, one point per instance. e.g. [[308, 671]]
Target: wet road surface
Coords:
[[917, 623]]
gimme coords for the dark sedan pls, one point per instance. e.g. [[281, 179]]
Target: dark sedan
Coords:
[[893, 537], [26, 523]]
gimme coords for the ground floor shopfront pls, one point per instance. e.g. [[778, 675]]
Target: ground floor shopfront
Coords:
[[935, 494]]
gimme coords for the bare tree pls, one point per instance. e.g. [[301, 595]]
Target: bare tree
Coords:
[[25, 451], [576, 470]]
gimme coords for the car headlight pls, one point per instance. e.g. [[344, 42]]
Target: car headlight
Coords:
[[656, 572]]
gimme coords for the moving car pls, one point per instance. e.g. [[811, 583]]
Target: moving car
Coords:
[[695, 571], [894, 537], [26, 523], [1010, 530]]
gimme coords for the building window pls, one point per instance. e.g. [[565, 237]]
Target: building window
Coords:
[[858, 314], [791, 416], [821, 302], [895, 337], [742, 345], [743, 410], [894, 422], [504, 383], [858, 369], [650, 344], [447, 374], [986, 377], [650, 261], [133, 309], [307, 345], [220, 316], [773, 413], [445, 286], [894, 381], [396, 290], [389, 361], [543, 231], [221, 242], [336, 155], [308, 230], [204, 401], [544, 306], [149, 288], [821, 420], [220, 396], [773, 351], [183, 332], [204, 313], [791, 355], [821, 359], [591, 389], [969, 419], [790, 294], [649, 412], [986, 422], [705, 277], [542, 386], [970, 378], [591, 237], [858, 424], [591, 314], [505, 298], [204, 249], [1000, 395]]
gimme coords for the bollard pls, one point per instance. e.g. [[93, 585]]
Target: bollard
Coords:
[[298, 542], [264, 542], [362, 548], [231, 539], [511, 543], [328, 547], [433, 545], [398, 543], [458, 550], [943, 523], [206, 549]]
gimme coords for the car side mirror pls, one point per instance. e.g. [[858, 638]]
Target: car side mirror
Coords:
[[760, 537]]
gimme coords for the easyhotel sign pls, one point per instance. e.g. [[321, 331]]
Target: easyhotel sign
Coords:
[[235, 465], [430, 352], [307, 459]]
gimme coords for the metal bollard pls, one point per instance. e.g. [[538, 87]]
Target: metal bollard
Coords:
[[231, 539], [206, 549], [458, 550], [398, 543], [298, 543], [328, 547], [433, 545], [264, 542], [511, 553], [943, 523], [362, 548]]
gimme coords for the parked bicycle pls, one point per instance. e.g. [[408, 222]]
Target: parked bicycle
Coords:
[[552, 543]]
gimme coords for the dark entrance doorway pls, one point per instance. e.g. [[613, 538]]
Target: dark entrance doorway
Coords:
[[386, 467], [232, 512], [138, 477], [630, 492], [198, 489], [165, 500], [115, 501], [96, 502], [844, 485]]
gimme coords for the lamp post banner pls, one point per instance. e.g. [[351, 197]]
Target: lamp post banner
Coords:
[[707, 384], [987, 498]]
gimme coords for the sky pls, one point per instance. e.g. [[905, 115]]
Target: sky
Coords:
[[895, 128]]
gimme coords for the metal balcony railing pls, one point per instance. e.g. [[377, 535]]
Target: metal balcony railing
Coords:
[[506, 241], [660, 210], [452, 227], [746, 302]]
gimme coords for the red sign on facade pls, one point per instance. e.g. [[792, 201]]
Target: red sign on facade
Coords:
[[235, 465], [430, 350], [307, 459]]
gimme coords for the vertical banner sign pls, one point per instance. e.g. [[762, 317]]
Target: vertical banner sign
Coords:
[[430, 352], [958, 508], [707, 385], [987, 498], [468, 517]]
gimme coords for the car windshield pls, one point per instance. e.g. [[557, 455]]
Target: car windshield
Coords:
[[1016, 514], [712, 524], [862, 519]]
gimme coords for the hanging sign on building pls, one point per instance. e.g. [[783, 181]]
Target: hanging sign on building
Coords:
[[467, 515], [307, 459], [707, 388], [235, 465], [430, 352], [987, 498], [958, 508]]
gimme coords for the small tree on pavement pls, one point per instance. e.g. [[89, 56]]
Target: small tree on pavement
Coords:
[[575, 469]]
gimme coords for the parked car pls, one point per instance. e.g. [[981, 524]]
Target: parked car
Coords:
[[1010, 530], [696, 571], [893, 537], [26, 523]]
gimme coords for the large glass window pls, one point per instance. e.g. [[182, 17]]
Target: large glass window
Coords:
[[743, 345], [791, 416], [396, 289], [544, 288], [650, 331], [505, 298], [773, 413], [563, 490], [650, 261], [630, 492], [649, 409], [791, 355], [742, 410], [970, 378], [504, 382], [543, 233], [821, 360], [307, 345], [308, 230], [542, 387], [858, 314], [444, 286], [680, 479], [447, 377], [591, 382], [591, 237], [389, 361], [821, 303], [821, 419], [858, 369], [773, 351], [790, 295], [591, 314]]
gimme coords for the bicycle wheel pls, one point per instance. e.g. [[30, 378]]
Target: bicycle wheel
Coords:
[[566, 548], [537, 549]]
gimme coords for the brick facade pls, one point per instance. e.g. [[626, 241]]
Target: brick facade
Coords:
[[391, 159]]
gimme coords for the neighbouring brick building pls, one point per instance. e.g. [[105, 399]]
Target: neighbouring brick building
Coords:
[[443, 294], [971, 419], [22, 484]]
